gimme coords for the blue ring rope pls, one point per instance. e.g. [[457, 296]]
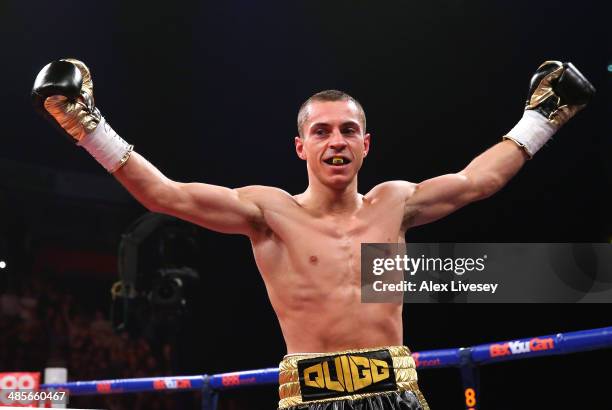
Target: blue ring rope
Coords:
[[523, 348]]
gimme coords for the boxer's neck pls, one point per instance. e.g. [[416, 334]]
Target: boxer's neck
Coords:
[[330, 200]]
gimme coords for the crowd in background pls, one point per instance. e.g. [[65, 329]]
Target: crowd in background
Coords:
[[43, 325]]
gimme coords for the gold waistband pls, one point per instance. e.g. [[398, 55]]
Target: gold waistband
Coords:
[[403, 367]]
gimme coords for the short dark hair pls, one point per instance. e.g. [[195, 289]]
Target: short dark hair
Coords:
[[327, 95]]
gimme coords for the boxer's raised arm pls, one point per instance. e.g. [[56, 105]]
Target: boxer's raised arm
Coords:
[[211, 206], [486, 174], [557, 91], [63, 93]]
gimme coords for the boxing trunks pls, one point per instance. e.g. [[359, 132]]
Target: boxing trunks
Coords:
[[364, 379]]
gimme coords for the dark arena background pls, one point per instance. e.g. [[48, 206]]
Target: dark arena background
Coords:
[[209, 92]]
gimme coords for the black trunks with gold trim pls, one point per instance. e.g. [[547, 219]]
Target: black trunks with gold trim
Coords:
[[378, 378]]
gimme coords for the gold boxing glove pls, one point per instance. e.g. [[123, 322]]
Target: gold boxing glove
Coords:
[[63, 93], [557, 91]]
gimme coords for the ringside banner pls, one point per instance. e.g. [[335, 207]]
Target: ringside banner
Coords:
[[486, 272], [19, 389]]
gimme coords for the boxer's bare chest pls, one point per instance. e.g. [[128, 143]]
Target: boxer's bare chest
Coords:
[[312, 247], [311, 265]]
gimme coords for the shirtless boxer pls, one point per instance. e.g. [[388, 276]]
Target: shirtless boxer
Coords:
[[342, 354]]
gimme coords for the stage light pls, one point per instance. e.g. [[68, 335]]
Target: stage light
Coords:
[[2, 264]]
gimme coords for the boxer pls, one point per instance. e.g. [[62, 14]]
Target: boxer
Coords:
[[341, 353]]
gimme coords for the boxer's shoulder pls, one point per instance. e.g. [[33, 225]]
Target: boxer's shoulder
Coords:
[[265, 196], [391, 190]]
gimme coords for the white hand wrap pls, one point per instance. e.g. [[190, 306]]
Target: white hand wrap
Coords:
[[532, 131], [108, 148]]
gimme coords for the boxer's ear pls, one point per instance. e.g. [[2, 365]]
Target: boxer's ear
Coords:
[[299, 147], [367, 139]]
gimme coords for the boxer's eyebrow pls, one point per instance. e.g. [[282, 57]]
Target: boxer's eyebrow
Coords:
[[319, 124], [344, 124], [351, 124]]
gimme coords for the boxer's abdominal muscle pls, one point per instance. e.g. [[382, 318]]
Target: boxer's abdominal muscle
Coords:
[[311, 268]]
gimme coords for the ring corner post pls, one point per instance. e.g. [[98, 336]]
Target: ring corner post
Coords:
[[470, 377], [56, 375], [210, 397]]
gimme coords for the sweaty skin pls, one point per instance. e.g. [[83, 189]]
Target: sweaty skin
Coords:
[[307, 246]]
